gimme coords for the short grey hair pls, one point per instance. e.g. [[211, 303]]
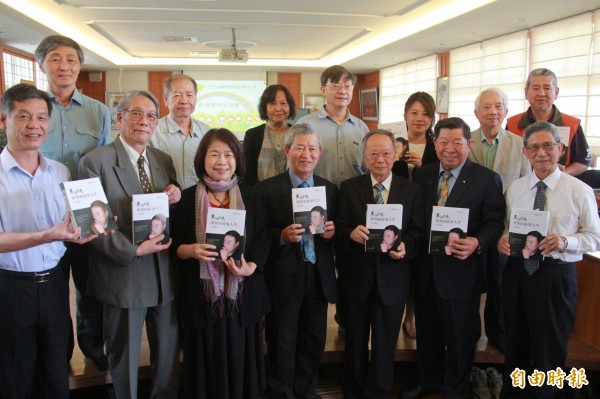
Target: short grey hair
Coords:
[[496, 90], [175, 77], [301, 129], [380, 131], [53, 42], [541, 127], [541, 72], [130, 95]]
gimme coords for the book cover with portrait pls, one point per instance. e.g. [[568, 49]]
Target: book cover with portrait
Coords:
[[526, 228], [447, 224], [309, 205], [150, 217], [225, 229], [384, 222], [87, 203]]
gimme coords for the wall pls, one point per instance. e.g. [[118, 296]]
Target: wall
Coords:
[[365, 81], [95, 90], [126, 80]]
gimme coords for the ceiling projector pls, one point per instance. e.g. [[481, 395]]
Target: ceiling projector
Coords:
[[233, 55]]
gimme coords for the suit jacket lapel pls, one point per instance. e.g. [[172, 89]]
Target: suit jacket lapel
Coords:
[[124, 170], [285, 194], [502, 147], [462, 183], [157, 171], [365, 190], [476, 146]]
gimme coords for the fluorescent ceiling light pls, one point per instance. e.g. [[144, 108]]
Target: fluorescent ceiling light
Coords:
[[418, 20]]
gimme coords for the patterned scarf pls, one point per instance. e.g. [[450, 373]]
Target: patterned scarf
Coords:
[[220, 286]]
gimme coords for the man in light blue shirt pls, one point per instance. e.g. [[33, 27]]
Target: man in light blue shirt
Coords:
[[34, 293], [341, 132], [178, 134], [79, 125]]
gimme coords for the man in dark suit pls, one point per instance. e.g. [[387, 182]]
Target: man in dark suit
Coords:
[[374, 285], [301, 280], [449, 286], [136, 283]]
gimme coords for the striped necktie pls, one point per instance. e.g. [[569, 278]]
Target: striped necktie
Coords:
[[379, 196]]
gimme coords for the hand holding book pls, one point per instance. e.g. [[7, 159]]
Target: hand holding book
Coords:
[[244, 269]]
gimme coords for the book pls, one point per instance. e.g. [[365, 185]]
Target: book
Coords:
[[384, 222], [149, 216], [87, 203], [447, 224], [309, 205], [526, 228], [225, 229]]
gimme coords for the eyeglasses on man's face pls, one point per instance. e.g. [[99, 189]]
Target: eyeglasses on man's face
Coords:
[[547, 147], [135, 115]]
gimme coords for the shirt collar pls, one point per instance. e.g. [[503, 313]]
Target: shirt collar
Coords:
[[172, 126], [322, 114], [453, 172], [8, 162], [296, 180], [551, 180], [386, 183], [494, 141], [77, 97], [132, 153]]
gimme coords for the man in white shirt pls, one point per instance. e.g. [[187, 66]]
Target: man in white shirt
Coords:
[[34, 291], [539, 305], [178, 134]]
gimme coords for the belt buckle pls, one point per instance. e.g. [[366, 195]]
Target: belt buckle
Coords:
[[41, 277]]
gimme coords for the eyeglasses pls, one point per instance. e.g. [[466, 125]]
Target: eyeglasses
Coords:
[[547, 147], [337, 87], [136, 115], [376, 155]]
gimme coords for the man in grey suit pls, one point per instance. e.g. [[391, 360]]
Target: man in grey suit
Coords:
[[135, 283], [501, 151]]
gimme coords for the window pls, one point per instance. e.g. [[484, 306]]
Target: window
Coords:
[[16, 69], [398, 82], [41, 80]]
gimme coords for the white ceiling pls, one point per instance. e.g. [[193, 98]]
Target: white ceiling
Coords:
[[285, 35]]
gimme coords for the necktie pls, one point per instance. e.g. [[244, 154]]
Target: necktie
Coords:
[[538, 204], [444, 189], [308, 240], [540, 196], [144, 180], [379, 197]]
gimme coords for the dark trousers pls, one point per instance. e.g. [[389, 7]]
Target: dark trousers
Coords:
[[447, 334], [295, 335], [89, 310], [123, 335], [493, 314], [540, 312], [381, 323], [34, 335]]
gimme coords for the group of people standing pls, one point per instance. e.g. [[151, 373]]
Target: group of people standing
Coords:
[[288, 273]]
